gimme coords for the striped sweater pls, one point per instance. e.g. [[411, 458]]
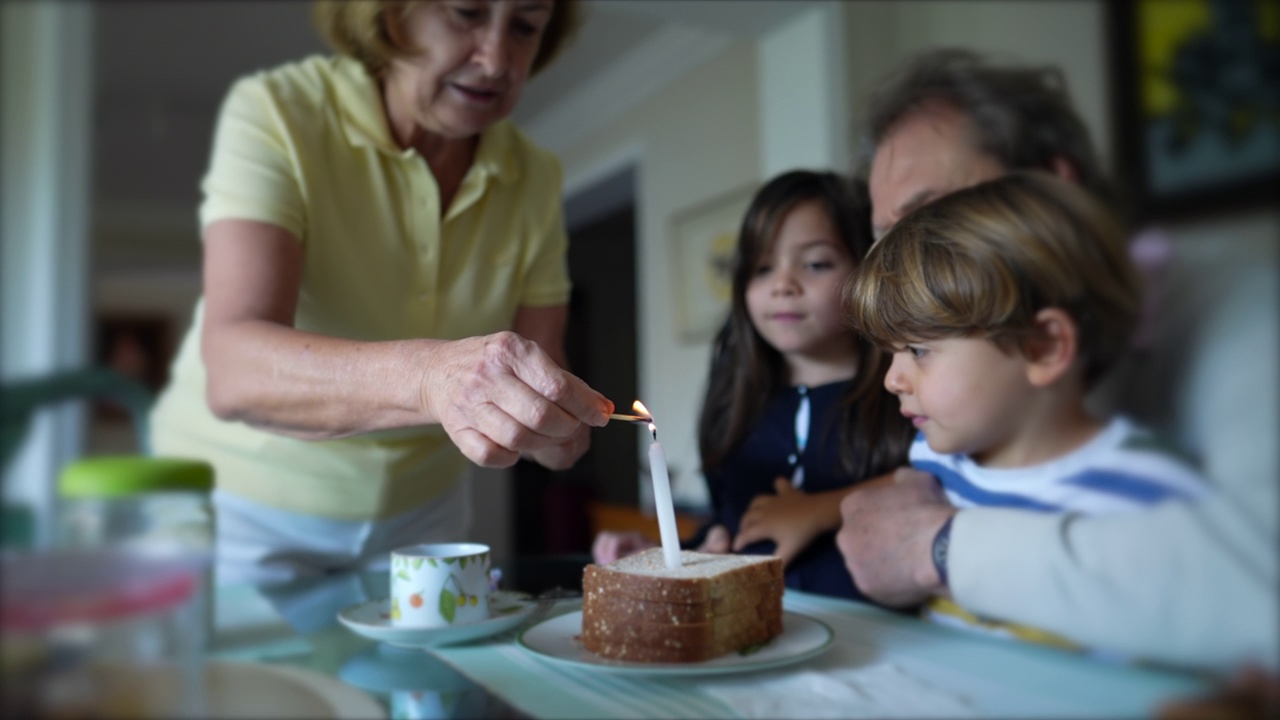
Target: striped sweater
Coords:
[[1123, 469]]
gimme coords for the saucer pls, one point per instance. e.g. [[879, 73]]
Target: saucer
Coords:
[[372, 619]]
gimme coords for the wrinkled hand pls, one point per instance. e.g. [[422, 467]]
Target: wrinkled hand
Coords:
[[787, 518], [716, 541], [887, 537], [500, 395], [610, 545], [562, 456]]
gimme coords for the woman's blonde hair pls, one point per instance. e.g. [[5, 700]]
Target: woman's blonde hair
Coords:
[[985, 260], [358, 29]]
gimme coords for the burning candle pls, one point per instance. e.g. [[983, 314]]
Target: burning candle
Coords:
[[662, 494]]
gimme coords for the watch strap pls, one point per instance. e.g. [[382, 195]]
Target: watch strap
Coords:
[[941, 544]]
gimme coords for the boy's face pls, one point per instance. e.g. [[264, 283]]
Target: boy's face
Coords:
[[967, 396]]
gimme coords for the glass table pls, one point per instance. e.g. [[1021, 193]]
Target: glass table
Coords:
[[928, 666], [296, 625]]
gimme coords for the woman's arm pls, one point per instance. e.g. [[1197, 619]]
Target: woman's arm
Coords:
[[496, 395]]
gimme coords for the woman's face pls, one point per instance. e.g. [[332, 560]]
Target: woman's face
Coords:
[[474, 58]]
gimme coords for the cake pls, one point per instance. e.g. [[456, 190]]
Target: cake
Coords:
[[636, 609]]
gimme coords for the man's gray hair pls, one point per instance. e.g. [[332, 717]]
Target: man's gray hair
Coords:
[[1021, 116]]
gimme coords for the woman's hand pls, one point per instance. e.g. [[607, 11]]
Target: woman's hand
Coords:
[[791, 519], [501, 395], [610, 545]]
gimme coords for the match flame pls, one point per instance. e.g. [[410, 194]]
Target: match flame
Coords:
[[642, 410]]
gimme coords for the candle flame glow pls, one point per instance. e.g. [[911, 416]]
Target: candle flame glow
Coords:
[[642, 410]]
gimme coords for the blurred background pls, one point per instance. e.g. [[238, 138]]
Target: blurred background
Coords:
[[663, 114]]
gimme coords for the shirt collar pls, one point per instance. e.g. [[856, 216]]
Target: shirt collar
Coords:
[[364, 123]]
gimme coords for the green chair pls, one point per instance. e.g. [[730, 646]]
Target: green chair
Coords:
[[21, 399]]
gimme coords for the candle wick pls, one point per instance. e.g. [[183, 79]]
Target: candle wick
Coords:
[[653, 429]]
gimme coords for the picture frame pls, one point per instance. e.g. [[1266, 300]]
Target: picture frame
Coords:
[[1197, 120], [139, 346], [702, 242]]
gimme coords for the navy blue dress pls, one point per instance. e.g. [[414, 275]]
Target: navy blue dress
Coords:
[[770, 451]]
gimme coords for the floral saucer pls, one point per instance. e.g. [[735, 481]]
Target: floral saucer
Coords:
[[372, 619]]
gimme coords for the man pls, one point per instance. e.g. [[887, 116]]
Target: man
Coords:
[[1182, 583]]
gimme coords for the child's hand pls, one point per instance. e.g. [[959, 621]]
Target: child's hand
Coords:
[[610, 545], [791, 519], [716, 541]]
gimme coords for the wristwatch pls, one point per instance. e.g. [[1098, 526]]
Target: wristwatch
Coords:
[[941, 542]]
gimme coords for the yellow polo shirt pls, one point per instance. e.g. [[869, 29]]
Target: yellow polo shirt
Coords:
[[306, 147]]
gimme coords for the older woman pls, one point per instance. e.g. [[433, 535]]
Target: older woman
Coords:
[[385, 289]]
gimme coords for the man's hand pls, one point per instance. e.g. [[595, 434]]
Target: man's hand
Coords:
[[887, 537]]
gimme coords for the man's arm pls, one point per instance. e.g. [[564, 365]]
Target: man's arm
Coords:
[[1184, 583]]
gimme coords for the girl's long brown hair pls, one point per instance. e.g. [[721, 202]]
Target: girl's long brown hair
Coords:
[[746, 371]]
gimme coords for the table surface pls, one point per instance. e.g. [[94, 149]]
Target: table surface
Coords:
[[296, 625]]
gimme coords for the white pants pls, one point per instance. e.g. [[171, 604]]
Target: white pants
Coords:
[[261, 544]]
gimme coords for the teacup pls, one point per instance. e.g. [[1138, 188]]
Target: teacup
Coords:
[[439, 584]]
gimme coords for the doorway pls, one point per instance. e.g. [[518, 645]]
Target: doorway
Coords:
[[553, 529]]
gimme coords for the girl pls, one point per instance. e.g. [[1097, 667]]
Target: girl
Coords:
[[795, 412]]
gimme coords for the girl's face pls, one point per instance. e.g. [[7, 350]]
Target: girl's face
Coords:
[[965, 394], [474, 59], [794, 295]]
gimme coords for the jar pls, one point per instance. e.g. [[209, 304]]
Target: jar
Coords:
[[100, 633], [158, 506]]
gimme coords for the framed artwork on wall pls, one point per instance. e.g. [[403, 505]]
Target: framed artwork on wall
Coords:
[[702, 240], [1196, 88]]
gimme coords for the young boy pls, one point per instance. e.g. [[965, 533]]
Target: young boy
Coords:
[[1002, 304]]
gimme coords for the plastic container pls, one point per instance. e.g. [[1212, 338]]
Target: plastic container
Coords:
[[156, 506], [100, 633]]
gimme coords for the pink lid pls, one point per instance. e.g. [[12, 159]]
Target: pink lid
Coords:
[[47, 588]]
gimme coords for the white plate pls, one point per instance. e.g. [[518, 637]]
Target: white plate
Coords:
[[559, 640], [373, 620]]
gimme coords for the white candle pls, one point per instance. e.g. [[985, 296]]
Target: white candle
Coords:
[[662, 503]]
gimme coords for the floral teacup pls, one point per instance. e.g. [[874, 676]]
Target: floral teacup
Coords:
[[438, 585]]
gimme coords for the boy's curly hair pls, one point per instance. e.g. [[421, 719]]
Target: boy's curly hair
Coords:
[[983, 261]]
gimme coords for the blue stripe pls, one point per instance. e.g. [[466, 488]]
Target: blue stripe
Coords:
[[954, 482], [1132, 487]]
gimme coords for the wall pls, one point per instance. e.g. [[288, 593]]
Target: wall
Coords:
[[45, 150], [1066, 33], [698, 139], [690, 142]]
